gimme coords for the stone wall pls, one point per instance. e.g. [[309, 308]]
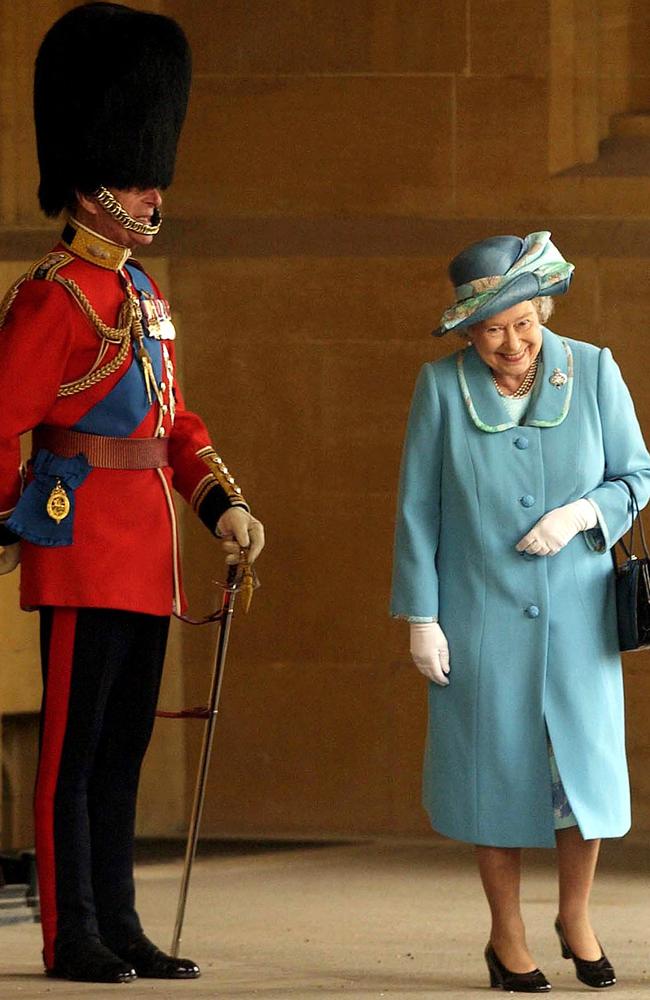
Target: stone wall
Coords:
[[335, 156]]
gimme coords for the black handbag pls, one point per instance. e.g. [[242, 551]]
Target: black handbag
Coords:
[[633, 587]]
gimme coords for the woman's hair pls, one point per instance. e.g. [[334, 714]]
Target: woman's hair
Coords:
[[544, 306]]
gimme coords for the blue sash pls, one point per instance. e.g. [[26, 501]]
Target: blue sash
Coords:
[[120, 412]]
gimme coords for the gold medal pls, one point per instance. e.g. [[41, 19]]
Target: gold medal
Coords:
[[58, 504]]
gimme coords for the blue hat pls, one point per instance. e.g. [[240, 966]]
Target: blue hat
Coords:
[[499, 272]]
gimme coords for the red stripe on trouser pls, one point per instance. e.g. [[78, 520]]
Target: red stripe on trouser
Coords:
[[59, 673]]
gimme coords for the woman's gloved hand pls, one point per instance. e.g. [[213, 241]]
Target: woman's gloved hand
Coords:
[[240, 530], [9, 557], [430, 651], [553, 531]]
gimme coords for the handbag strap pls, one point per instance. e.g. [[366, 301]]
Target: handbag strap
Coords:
[[636, 517]]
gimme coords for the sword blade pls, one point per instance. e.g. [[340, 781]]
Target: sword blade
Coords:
[[206, 750]]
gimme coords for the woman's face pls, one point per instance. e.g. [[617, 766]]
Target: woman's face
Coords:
[[509, 341]]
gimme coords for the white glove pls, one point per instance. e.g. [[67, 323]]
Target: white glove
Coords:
[[9, 557], [240, 530], [430, 651], [553, 531]]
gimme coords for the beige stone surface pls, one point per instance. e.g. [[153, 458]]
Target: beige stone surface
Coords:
[[508, 40], [273, 301], [501, 148], [20, 679], [162, 799], [352, 922], [275, 38], [19, 735], [335, 156], [317, 145]]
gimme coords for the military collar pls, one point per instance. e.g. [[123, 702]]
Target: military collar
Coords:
[[551, 395], [92, 247]]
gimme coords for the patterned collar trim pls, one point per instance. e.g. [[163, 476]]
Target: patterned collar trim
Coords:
[[92, 247], [551, 397]]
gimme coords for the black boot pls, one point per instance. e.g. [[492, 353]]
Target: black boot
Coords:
[[90, 961], [151, 963]]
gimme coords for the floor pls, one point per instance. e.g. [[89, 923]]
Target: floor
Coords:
[[354, 921]]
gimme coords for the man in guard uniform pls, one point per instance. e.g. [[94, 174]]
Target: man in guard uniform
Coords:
[[87, 363]]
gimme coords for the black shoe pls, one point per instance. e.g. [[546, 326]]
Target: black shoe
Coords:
[[152, 963], [513, 982], [598, 973], [90, 961]]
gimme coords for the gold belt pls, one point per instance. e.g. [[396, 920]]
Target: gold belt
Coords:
[[103, 452]]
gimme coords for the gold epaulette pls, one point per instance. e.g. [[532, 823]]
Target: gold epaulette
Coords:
[[48, 266], [44, 269], [47, 269], [219, 474]]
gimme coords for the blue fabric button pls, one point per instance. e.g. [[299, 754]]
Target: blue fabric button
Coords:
[[532, 611], [521, 443], [527, 500]]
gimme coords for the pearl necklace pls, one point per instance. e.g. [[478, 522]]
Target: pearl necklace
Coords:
[[525, 386]]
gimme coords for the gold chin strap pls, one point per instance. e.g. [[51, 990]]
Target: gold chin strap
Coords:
[[111, 205]]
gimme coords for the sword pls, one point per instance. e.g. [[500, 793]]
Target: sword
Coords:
[[224, 617]]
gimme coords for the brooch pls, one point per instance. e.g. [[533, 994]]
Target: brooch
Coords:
[[558, 378], [58, 503]]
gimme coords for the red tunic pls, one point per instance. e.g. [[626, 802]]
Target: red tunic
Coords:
[[124, 553]]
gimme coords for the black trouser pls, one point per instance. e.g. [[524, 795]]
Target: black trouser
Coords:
[[101, 678]]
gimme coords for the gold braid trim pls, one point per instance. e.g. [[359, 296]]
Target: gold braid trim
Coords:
[[46, 269], [201, 490], [8, 300], [115, 334], [71, 388], [221, 474]]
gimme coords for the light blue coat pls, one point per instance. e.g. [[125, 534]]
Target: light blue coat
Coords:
[[532, 639]]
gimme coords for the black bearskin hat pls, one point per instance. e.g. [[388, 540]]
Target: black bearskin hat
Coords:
[[110, 93]]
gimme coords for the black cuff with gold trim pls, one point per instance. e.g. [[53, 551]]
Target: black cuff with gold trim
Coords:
[[216, 491], [215, 503]]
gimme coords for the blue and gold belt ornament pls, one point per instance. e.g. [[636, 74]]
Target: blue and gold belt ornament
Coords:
[[44, 514]]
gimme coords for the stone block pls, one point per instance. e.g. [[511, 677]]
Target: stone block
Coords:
[[637, 702], [163, 797], [269, 302], [380, 36], [407, 738], [508, 40], [19, 753], [577, 314], [502, 147], [624, 319], [316, 146], [640, 786], [306, 750]]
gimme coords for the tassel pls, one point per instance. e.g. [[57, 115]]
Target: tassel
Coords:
[[247, 582]]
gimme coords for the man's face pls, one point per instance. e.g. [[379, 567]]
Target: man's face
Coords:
[[140, 205]]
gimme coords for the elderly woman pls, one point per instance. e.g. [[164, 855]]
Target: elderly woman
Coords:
[[508, 507]]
